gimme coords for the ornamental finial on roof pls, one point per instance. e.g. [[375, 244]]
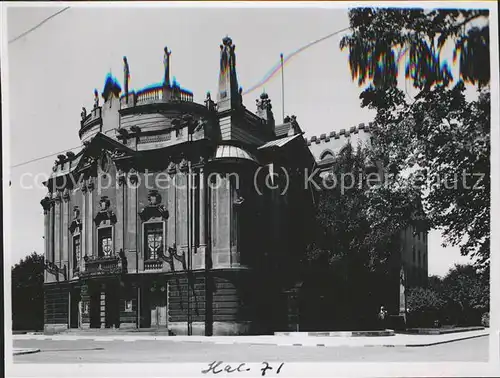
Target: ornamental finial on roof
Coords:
[[228, 96], [166, 65]]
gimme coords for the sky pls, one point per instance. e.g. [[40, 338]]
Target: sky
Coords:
[[53, 71]]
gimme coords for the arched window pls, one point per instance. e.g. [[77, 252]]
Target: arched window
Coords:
[[326, 154]]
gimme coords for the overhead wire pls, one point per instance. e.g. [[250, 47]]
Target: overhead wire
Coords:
[[263, 81], [38, 25]]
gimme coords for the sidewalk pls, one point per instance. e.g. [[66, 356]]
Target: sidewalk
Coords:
[[398, 340]]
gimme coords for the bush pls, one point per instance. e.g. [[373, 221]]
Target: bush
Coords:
[[485, 319], [424, 307]]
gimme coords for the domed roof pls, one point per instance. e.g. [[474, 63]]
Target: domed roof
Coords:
[[232, 152]]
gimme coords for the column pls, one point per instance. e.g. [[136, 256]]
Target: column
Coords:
[[83, 232], [131, 219], [90, 221], [51, 238], [65, 258], [57, 230], [120, 215], [46, 235], [181, 210], [198, 213], [202, 213], [171, 221]]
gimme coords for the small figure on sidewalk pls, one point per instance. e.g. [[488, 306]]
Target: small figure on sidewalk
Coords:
[[382, 317]]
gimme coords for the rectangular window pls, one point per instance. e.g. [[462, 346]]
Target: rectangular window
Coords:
[[128, 306], [76, 251], [153, 243], [105, 242]]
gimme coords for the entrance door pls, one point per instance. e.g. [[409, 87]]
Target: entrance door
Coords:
[[95, 309], [75, 308], [112, 307], [159, 309]]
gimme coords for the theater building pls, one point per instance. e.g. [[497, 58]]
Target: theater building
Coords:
[[176, 215]]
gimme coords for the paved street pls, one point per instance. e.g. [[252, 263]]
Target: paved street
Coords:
[[116, 351]]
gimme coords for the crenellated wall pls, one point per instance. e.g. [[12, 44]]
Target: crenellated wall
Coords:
[[331, 143]]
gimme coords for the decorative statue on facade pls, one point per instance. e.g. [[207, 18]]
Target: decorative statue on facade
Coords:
[[183, 165], [166, 64], [240, 96], [154, 208], [154, 198], [83, 113], [264, 108], [238, 200], [126, 75], [105, 212], [76, 223], [172, 168], [200, 125], [76, 212], [263, 103], [96, 99], [104, 203], [294, 126], [211, 106]]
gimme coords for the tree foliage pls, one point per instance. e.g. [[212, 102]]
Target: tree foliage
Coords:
[[381, 37], [360, 215], [441, 134], [27, 293], [461, 297], [467, 288]]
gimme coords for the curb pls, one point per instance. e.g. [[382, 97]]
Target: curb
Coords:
[[25, 351], [378, 333], [446, 341], [440, 331]]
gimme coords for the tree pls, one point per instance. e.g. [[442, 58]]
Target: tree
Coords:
[[461, 297], [358, 226], [467, 290], [440, 132], [27, 293]]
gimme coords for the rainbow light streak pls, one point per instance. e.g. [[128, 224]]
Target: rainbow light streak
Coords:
[[286, 59]]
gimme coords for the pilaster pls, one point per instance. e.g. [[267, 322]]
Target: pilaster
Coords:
[[120, 215], [83, 233], [57, 229], [65, 260], [131, 217], [201, 206], [90, 221], [46, 226]]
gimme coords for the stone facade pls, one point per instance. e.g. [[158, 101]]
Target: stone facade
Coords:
[[165, 219]]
